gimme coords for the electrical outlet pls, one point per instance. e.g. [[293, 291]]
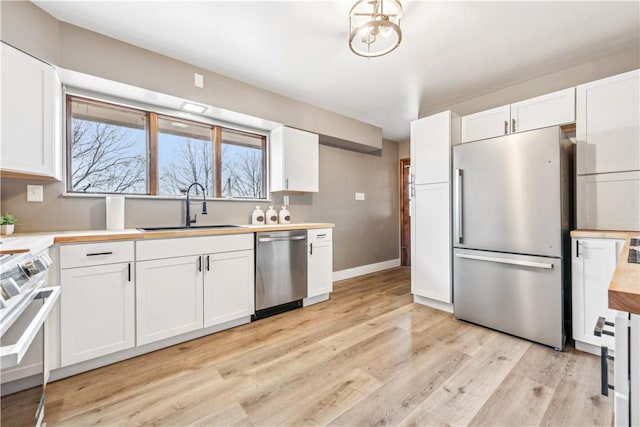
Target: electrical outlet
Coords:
[[359, 196], [285, 200], [34, 193], [198, 80]]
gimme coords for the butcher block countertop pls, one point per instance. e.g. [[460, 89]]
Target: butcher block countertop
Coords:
[[624, 289], [23, 242]]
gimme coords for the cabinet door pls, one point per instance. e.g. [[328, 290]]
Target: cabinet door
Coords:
[[555, 108], [294, 157], [608, 201], [228, 287], [593, 263], [31, 108], [431, 148], [608, 124], [320, 268], [431, 242], [168, 297], [486, 124], [97, 311]]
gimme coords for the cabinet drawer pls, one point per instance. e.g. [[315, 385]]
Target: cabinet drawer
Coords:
[[86, 254], [187, 246], [319, 235]]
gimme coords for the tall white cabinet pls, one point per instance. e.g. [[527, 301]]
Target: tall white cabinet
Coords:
[[431, 141], [593, 262], [608, 153], [31, 116]]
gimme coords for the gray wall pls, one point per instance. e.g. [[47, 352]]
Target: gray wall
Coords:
[[366, 231]]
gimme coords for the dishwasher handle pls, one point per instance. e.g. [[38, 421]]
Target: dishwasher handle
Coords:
[[280, 239]]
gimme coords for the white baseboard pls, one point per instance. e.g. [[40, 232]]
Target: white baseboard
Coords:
[[365, 269]]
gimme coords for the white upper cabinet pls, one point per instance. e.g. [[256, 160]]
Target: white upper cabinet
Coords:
[[486, 124], [294, 160], [608, 125], [552, 109], [31, 116], [431, 140]]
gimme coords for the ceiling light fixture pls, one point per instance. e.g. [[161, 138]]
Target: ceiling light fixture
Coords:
[[374, 27], [194, 108]]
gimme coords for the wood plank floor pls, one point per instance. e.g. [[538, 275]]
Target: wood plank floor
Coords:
[[368, 357]]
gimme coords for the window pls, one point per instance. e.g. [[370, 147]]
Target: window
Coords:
[[107, 149], [114, 149]]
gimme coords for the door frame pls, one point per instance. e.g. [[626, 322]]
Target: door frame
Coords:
[[405, 224]]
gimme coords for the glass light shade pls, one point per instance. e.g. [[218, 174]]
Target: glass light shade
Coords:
[[375, 27]]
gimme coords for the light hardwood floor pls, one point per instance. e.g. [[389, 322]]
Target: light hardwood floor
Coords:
[[368, 357]]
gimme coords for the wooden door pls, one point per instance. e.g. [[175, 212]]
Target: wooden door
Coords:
[[405, 215]]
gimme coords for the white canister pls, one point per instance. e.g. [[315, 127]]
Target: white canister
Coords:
[[271, 216], [257, 216], [115, 212], [284, 217]]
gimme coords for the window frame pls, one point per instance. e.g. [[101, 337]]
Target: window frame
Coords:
[[152, 131]]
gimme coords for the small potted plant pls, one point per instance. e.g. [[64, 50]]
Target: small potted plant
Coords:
[[7, 223]]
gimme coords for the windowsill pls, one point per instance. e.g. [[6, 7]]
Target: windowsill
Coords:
[[194, 198]]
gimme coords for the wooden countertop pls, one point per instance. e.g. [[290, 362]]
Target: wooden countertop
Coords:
[[624, 289], [23, 242]]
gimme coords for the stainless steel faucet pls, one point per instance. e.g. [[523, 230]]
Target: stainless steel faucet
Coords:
[[190, 221]]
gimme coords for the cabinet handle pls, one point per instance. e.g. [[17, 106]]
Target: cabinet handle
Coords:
[[100, 253], [506, 127], [286, 183], [129, 272], [199, 263], [208, 269], [310, 248], [513, 125], [604, 371], [321, 236], [577, 248]]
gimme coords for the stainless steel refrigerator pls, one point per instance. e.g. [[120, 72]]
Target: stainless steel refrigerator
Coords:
[[512, 213]]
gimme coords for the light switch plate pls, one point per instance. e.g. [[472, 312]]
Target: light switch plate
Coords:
[[34, 193], [198, 80], [359, 196]]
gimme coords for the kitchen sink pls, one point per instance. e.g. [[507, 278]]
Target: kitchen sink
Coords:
[[184, 227]]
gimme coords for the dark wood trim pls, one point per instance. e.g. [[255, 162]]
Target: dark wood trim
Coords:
[[152, 141], [217, 160], [67, 144], [405, 219]]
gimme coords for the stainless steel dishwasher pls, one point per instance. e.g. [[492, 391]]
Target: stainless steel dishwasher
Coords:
[[281, 271]]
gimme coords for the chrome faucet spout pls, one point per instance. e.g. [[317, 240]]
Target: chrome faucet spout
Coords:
[[188, 219]]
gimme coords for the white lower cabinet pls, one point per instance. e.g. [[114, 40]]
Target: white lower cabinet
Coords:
[[319, 263], [593, 262], [228, 287], [97, 305], [191, 283], [168, 297]]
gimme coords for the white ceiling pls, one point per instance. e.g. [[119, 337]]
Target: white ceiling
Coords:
[[450, 50]]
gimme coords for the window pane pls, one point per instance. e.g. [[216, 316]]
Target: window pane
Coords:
[[242, 165], [185, 156], [108, 152]]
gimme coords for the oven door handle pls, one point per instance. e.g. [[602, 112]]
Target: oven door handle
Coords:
[[11, 355]]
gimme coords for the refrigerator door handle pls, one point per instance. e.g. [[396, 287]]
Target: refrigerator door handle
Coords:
[[459, 205], [507, 261]]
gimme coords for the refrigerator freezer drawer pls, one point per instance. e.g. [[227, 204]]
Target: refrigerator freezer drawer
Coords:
[[517, 294]]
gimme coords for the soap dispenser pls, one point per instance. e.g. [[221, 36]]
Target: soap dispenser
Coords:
[[272, 216], [284, 217], [257, 216]]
